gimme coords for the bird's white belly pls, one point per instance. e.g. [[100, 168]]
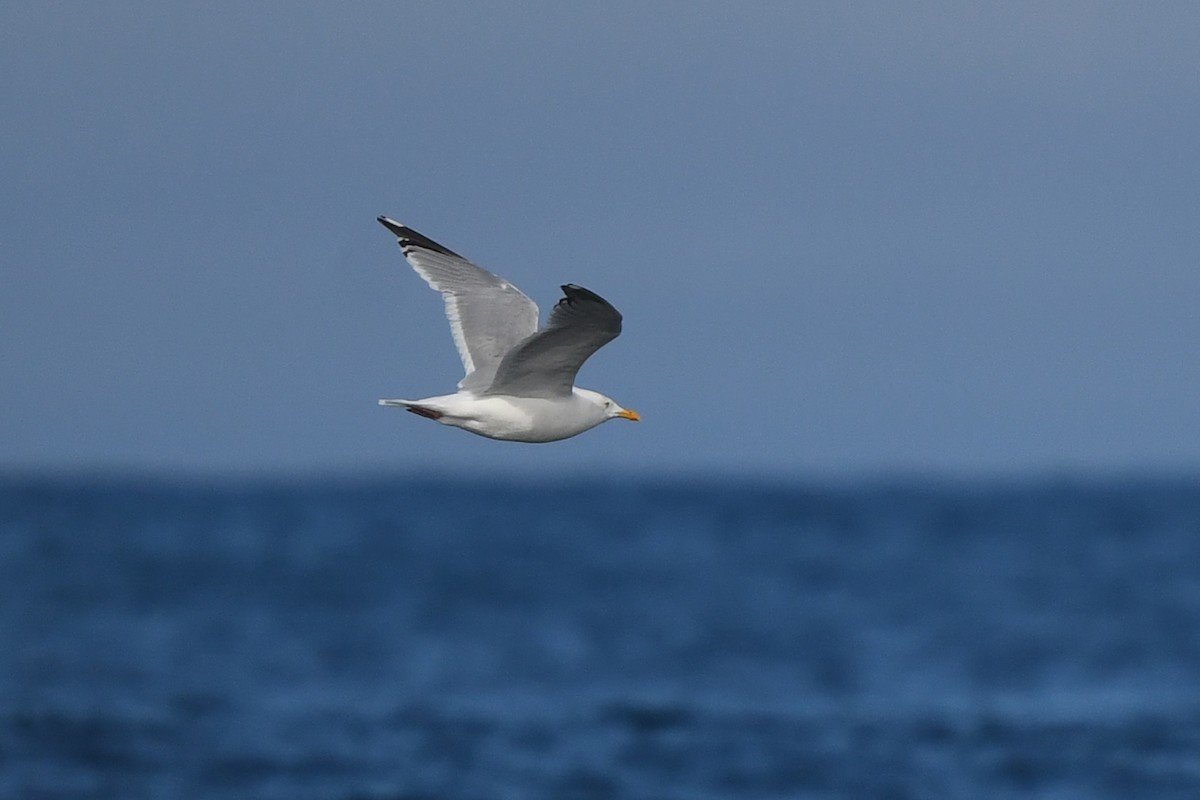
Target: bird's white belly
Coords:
[[520, 419]]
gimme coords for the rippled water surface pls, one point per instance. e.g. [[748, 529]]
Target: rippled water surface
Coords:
[[403, 639]]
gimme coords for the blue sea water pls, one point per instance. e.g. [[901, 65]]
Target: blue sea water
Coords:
[[407, 639]]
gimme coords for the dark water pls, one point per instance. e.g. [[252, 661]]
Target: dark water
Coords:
[[612, 640]]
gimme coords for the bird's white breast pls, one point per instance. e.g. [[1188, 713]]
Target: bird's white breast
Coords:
[[521, 419]]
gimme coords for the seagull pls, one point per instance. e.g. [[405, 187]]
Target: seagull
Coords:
[[520, 381]]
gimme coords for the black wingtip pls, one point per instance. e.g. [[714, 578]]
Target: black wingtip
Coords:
[[585, 301], [410, 238], [574, 291]]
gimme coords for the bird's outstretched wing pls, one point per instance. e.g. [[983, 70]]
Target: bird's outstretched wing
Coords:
[[545, 364], [488, 315]]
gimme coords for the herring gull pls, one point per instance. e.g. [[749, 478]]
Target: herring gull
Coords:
[[520, 382]]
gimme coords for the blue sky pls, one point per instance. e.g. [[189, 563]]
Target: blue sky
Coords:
[[846, 238]]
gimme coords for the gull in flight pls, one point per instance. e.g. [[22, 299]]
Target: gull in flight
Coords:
[[520, 382]]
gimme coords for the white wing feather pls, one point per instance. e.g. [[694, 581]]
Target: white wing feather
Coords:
[[488, 315]]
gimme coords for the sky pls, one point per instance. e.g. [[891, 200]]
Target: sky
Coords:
[[847, 238]]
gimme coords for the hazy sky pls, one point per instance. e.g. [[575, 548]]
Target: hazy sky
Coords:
[[846, 238]]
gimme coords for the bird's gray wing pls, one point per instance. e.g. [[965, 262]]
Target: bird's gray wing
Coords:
[[545, 364], [488, 315]]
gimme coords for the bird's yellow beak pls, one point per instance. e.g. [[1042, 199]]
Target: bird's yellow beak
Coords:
[[632, 416]]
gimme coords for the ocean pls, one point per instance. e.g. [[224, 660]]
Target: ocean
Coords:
[[417, 639]]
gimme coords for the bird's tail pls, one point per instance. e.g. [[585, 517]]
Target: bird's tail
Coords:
[[415, 408]]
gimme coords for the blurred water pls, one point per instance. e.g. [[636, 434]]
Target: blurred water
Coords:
[[412, 640]]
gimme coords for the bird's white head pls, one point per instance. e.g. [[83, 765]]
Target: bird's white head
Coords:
[[606, 405]]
